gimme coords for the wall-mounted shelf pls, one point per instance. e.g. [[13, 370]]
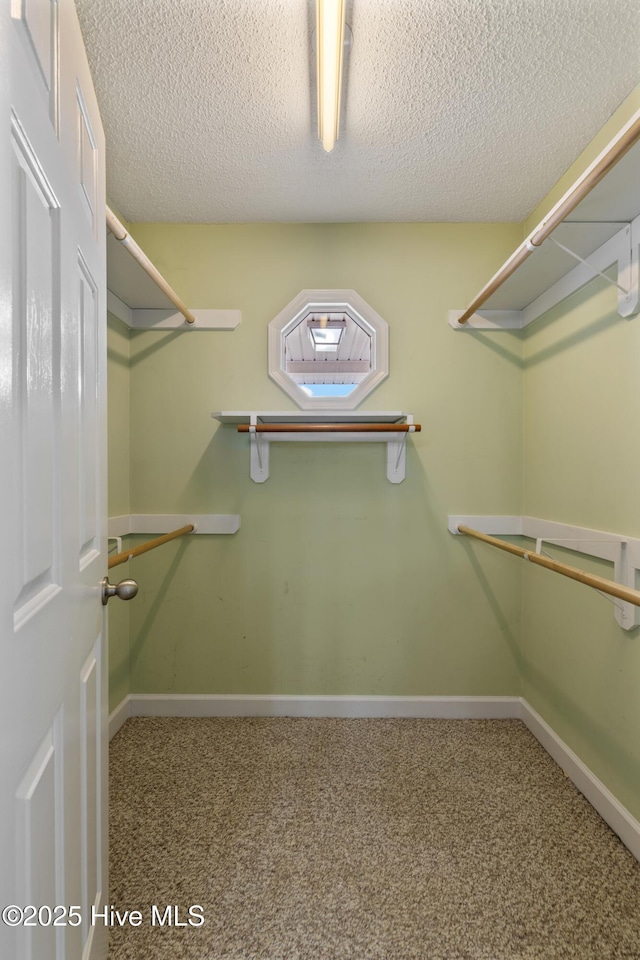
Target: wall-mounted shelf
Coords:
[[264, 428], [130, 523], [140, 296], [622, 552], [171, 525], [594, 227]]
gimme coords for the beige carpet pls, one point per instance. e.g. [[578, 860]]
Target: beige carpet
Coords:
[[361, 840]]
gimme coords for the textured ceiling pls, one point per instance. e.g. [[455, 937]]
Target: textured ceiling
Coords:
[[455, 109]]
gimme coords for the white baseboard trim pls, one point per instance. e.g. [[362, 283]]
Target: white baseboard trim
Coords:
[[445, 708], [118, 716], [256, 705], [599, 796]]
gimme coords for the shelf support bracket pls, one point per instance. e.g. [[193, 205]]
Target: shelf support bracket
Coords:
[[622, 249], [629, 273], [259, 452], [624, 571], [622, 552], [267, 428], [397, 457], [599, 273]]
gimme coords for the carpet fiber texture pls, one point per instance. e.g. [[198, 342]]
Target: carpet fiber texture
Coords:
[[327, 839]]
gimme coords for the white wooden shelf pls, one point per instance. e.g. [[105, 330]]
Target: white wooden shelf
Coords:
[[623, 552], [126, 524], [134, 298], [603, 229], [396, 440]]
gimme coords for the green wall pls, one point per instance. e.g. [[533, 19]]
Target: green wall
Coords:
[[338, 581], [582, 461], [580, 670]]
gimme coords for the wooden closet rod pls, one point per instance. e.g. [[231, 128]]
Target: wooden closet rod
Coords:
[[590, 579], [592, 176], [149, 545], [138, 254], [330, 428]]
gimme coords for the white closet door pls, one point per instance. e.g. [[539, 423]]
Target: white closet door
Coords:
[[52, 484]]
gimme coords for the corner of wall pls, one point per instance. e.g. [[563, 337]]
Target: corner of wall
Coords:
[[578, 669]]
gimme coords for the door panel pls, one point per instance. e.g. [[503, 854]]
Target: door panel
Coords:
[[87, 161], [36, 326], [40, 841], [53, 703], [39, 21]]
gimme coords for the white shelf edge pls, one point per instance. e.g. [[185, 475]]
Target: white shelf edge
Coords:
[[148, 523], [171, 319], [622, 551], [260, 443], [119, 308], [608, 210], [141, 302], [311, 416], [505, 526], [488, 320], [622, 250]]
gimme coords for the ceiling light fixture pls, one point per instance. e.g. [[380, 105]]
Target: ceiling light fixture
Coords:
[[330, 32]]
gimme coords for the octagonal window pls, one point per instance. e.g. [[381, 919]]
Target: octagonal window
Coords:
[[328, 349]]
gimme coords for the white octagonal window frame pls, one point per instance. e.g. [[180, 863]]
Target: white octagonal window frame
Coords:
[[334, 301]]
